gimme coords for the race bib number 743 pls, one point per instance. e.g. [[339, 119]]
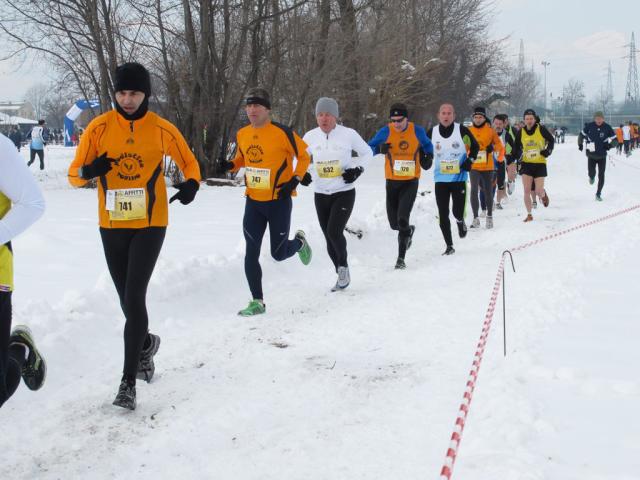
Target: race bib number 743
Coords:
[[258, 178]]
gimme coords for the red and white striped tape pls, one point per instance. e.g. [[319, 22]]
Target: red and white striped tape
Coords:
[[463, 411]]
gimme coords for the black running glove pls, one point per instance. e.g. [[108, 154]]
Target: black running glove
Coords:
[[225, 166], [580, 147], [489, 149], [545, 153], [99, 167], [187, 191], [466, 165], [384, 148], [286, 189], [350, 175], [306, 180], [426, 160]]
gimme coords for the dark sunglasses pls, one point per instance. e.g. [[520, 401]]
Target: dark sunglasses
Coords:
[[397, 120]]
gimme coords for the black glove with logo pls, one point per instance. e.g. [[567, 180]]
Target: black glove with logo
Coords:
[[466, 165], [187, 191], [306, 180], [286, 189], [545, 153], [384, 148], [99, 167], [351, 174]]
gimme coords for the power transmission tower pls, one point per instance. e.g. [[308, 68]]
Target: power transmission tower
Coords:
[[521, 58], [610, 83], [632, 92]]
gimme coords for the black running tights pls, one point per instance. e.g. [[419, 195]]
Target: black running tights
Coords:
[[131, 255], [457, 192], [601, 162], [333, 214], [401, 195]]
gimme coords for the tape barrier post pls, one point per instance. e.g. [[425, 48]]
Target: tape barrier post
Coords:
[[504, 302], [463, 411]]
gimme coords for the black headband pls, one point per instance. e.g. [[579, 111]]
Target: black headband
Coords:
[[258, 101]]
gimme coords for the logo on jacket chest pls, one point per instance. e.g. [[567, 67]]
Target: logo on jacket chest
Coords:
[[129, 166], [403, 145], [254, 154]]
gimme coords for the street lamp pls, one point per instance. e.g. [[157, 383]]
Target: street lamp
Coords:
[[545, 64]]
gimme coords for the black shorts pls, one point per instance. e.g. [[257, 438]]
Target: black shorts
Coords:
[[535, 170]]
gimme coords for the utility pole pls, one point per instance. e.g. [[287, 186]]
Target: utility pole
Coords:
[[545, 64]]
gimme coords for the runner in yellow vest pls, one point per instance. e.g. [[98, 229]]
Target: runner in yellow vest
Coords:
[[534, 143]]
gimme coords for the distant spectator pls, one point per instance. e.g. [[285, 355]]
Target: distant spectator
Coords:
[[38, 142], [16, 137]]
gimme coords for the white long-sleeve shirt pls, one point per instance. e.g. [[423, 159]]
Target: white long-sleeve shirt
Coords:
[[18, 187], [332, 154]]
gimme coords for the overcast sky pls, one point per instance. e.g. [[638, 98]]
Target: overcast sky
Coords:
[[578, 38]]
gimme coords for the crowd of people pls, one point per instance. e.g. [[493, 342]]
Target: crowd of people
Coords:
[[123, 151]]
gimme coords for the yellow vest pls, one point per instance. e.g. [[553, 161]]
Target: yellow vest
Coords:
[[532, 145], [6, 257]]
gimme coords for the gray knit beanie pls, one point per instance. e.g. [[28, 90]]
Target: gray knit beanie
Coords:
[[327, 105]]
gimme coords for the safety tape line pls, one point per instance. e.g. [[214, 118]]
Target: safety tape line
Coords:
[[463, 411]]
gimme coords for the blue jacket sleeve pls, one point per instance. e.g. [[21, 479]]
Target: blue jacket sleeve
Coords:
[[379, 138], [424, 140]]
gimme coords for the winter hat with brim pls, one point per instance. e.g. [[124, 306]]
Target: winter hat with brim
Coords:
[[327, 105], [133, 76], [398, 110], [598, 114]]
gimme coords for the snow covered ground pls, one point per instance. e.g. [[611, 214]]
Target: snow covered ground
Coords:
[[360, 384]]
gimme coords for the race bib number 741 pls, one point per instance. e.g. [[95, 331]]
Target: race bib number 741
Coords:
[[126, 204]]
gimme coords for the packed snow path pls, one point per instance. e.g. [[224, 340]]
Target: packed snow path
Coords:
[[360, 384]]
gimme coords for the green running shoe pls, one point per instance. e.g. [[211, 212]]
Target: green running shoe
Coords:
[[305, 252], [255, 307], [34, 370]]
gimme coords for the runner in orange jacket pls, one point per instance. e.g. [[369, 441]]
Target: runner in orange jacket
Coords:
[[123, 149]]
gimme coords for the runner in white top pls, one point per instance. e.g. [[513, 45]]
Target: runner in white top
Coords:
[[334, 172], [21, 204]]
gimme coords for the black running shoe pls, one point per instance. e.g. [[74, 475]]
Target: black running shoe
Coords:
[[126, 397], [146, 367], [449, 251], [400, 265], [34, 369], [462, 229]]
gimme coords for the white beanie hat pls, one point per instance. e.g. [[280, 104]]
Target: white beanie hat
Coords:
[[327, 105]]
